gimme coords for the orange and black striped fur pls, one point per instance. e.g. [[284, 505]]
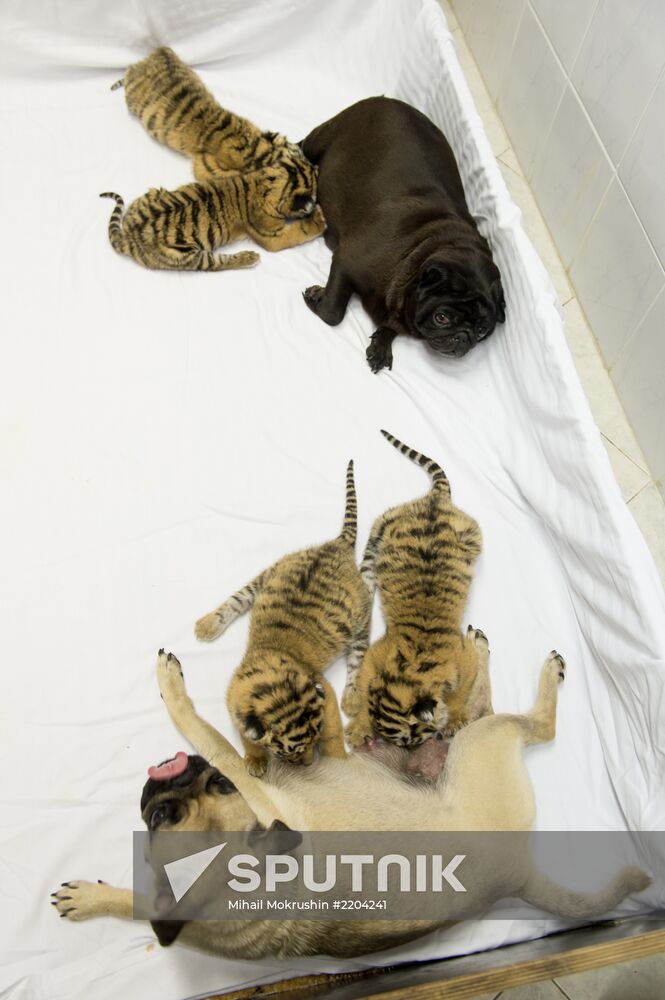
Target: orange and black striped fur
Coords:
[[308, 609], [176, 109], [181, 229], [418, 678]]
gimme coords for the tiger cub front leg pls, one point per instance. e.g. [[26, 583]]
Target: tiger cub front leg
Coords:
[[354, 659], [208, 168], [473, 699], [256, 758], [212, 625], [358, 728], [331, 741], [291, 234]]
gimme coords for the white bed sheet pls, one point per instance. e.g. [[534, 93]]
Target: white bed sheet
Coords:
[[166, 436]]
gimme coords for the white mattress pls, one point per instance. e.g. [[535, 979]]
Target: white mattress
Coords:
[[167, 436]]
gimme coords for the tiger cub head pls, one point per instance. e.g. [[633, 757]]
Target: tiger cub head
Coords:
[[418, 692], [292, 180], [283, 711], [406, 714]]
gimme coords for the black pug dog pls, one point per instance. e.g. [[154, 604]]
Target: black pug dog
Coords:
[[401, 233]]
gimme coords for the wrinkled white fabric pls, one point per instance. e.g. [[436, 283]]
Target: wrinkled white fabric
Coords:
[[167, 436]]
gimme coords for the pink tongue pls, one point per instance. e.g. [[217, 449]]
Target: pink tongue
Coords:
[[170, 768]]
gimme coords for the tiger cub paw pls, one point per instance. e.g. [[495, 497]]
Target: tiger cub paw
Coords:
[[350, 701], [256, 766], [454, 724], [315, 224], [355, 735], [209, 627]]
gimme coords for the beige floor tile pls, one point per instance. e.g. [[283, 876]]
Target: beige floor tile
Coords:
[[496, 133], [628, 461], [536, 229], [598, 386], [643, 980], [648, 509], [535, 991], [629, 476], [510, 160]]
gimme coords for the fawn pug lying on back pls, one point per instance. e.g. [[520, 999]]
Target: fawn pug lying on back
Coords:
[[484, 786], [418, 679], [308, 609]]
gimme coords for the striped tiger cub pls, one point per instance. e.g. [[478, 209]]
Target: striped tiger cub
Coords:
[[176, 108], [418, 679], [181, 229], [308, 609]]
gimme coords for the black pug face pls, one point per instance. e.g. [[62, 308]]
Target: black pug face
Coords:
[[455, 305]]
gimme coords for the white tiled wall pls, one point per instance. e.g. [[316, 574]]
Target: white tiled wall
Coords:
[[580, 87]]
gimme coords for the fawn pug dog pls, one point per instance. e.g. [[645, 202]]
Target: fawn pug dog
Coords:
[[484, 785]]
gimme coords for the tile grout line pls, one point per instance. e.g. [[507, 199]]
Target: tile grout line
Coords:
[[641, 490], [561, 989], [647, 472]]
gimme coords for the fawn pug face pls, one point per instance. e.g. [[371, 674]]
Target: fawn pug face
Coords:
[[457, 304], [198, 798]]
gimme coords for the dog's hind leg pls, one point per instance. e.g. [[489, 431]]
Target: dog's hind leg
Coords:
[[479, 702], [330, 303], [485, 783], [539, 725], [357, 650], [211, 626]]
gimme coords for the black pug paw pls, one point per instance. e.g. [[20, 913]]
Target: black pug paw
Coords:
[[313, 296], [379, 353]]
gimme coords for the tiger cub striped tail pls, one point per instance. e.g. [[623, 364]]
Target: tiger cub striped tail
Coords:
[[351, 510], [116, 235], [118, 84], [439, 479]]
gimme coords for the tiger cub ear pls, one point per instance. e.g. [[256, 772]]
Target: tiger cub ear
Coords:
[[253, 727], [424, 709], [319, 687]]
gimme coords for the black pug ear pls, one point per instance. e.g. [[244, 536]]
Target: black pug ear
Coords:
[[424, 709], [222, 784], [167, 930], [431, 277], [254, 728], [286, 840], [496, 293]]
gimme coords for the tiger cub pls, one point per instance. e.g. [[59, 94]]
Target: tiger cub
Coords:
[[176, 108], [181, 229], [417, 679], [308, 609]]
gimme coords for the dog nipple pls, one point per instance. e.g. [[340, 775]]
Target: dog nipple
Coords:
[[169, 768]]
